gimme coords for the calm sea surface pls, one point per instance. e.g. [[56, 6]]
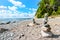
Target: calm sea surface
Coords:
[[3, 20]]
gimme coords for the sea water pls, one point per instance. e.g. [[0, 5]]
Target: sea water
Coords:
[[4, 20]]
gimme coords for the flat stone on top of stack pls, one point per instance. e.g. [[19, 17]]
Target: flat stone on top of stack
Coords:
[[45, 18]]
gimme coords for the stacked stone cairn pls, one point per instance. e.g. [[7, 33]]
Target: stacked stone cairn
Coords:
[[46, 29], [33, 23]]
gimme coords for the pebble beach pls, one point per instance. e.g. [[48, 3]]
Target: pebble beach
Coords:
[[20, 30]]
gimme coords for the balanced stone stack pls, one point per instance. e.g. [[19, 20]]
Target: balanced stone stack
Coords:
[[45, 18], [33, 23], [45, 29]]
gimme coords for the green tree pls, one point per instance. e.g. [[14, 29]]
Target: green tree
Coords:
[[47, 6]]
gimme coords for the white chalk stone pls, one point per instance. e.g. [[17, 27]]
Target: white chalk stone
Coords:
[[44, 28], [31, 24], [46, 34]]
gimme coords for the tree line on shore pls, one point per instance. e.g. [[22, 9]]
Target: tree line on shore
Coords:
[[52, 7]]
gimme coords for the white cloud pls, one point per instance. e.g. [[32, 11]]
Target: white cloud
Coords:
[[13, 8], [32, 9], [16, 15], [17, 3], [3, 7], [12, 12]]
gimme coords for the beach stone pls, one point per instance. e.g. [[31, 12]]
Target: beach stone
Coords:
[[8, 22], [6, 35], [46, 34], [14, 22], [30, 24], [44, 28], [22, 35], [45, 18], [46, 31], [2, 23], [3, 30], [48, 27]]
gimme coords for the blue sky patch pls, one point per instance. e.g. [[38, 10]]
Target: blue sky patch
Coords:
[[18, 8]]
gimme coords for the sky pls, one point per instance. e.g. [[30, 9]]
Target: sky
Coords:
[[18, 8]]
